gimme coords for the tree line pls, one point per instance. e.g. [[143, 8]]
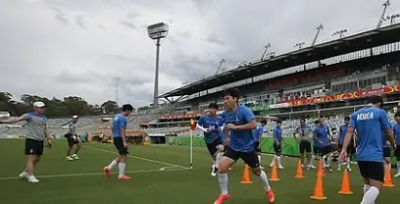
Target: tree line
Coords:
[[65, 107]]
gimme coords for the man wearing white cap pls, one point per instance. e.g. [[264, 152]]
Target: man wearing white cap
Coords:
[[73, 139], [37, 133]]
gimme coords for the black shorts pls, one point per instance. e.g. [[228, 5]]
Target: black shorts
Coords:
[[71, 141], [34, 147], [119, 144], [212, 147], [278, 148], [349, 148], [372, 170], [397, 152], [387, 152], [258, 149], [304, 146], [322, 151], [250, 158]]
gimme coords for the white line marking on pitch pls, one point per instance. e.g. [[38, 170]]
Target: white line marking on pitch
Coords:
[[94, 173], [139, 158]]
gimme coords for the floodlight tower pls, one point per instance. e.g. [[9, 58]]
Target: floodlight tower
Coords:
[[319, 28], [219, 66], [382, 18], [266, 47], [340, 33], [157, 32]]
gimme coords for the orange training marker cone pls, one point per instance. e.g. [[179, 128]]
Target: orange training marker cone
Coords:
[[320, 167], [345, 184], [388, 178], [299, 173], [274, 173], [319, 189], [246, 176]]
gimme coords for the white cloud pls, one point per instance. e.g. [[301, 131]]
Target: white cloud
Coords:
[[70, 47]]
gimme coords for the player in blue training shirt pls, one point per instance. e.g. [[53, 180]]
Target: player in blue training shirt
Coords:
[[211, 124], [278, 139], [257, 135], [322, 145], [239, 122], [118, 129], [369, 123], [340, 140], [396, 131]]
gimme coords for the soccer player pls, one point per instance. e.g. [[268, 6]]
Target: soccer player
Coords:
[[342, 133], [239, 121], [118, 129], [303, 135], [369, 123], [257, 135], [396, 131], [37, 133], [322, 144], [387, 151], [211, 125], [73, 139], [278, 139]]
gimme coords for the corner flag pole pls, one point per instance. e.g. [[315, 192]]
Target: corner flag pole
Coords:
[[192, 129]]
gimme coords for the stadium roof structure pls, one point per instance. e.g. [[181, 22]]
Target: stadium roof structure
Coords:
[[360, 41]]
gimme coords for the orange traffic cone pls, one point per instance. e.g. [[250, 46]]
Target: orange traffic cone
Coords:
[[319, 188], [246, 176], [274, 173], [388, 178], [320, 167], [299, 173], [346, 184]]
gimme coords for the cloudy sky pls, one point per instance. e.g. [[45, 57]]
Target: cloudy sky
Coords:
[[78, 47]]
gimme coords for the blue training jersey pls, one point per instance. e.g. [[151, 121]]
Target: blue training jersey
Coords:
[[342, 133], [277, 133], [257, 132], [240, 140], [369, 123], [118, 123], [396, 131], [321, 133], [213, 122]]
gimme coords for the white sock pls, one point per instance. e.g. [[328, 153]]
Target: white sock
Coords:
[[348, 162], [329, 161], [324, 161], [112, 164], [398, 167], [366, 188], [370, 196], [259, 159], [264, 180], [312, 160], [121, 168], [278, 160], [273, 160], [223, 183]]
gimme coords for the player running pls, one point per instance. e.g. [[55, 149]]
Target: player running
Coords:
[[240, 121], [303, 135], [369, 123], [322, 145], [396, 131], [73, 139], [211, 125], [257, 135], [37, 132], [342, 133], [278, 139], [118, 129]]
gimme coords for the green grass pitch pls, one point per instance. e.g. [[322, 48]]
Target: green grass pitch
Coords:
[[83, 182]]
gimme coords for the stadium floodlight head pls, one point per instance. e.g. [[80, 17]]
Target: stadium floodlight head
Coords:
[[299, 45], [340, 33], [158, 31]]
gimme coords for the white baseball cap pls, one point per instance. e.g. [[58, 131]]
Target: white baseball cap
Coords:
[[39, 104], [75, 117]]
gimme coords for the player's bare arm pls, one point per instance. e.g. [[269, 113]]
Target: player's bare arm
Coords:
[[390, 137], [346, 142], [123, 136], [13, 120]]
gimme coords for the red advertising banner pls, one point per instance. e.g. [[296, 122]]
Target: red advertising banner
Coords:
[[344, 96]]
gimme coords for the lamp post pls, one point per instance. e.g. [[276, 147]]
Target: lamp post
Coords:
[[157, 32]]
